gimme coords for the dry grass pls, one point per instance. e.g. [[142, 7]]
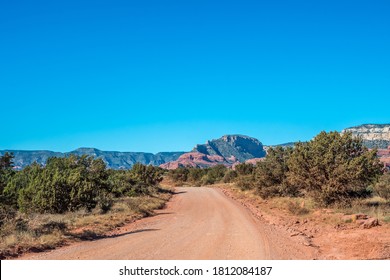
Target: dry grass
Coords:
[[303, 207], [39, 232], [294, 205], [376, 207]]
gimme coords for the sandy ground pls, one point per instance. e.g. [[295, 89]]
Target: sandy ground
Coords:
[[198, 223]]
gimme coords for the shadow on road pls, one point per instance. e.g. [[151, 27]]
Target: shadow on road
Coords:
[[175, 193], [132, 232], [164, 213], [89, 235]]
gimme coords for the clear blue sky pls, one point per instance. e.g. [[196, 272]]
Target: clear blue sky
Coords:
[[164, 75]]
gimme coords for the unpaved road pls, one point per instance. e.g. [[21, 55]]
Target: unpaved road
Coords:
[[198, 223]]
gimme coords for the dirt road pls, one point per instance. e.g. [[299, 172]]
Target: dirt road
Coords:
[[198, 223]]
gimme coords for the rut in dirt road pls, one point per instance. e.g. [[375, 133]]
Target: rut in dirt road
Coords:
[[198, 223]]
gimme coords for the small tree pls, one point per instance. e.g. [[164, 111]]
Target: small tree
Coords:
[[6, 171], [179, 175], [7, 209], [243, 169], [195, 175], [217, 172], [145, 177], [382, 187], [230, 176], [333, 168], [270, 174]]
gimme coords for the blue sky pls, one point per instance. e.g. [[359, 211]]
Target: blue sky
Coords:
[[165, 75]]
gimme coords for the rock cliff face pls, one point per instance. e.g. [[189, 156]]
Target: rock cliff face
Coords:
[[195, 159], [228, 150], [373, 135], [240, 147]]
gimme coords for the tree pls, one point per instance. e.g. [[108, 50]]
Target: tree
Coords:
[[270, 175], [179, 175], [382, 187], [6, 161], [195, 175], [230, 176], [6, 171], [243, 169], [7, 211], [333, 168], [217, 172], [146, 177]]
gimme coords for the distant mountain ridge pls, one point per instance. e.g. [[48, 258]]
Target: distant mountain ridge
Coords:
[[113, 159], [228, 150]]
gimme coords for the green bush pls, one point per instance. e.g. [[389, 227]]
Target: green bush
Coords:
[[382, 187], [195, 175], [216, 173], [245, 182], [270, 175], [333, 168], [64, 184], [179, 175], [230, 176], [243, 169]]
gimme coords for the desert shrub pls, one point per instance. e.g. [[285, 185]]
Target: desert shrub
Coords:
[[121, 183], [270, 175], [195, 175], [7, 213], [179, 175], [217, 172], [245, 182], [333, 168], [6, 171], [294, 207], [104, 202], [64, 184], [145, 178], [207, 179], [7, 202], [230, 176], [243, 169], [382, 187]]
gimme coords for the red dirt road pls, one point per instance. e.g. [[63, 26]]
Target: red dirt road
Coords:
[[198, 223]]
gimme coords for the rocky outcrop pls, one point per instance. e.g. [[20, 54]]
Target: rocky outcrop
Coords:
[[228, 150], [195, 159], [240, 147], [373, 135]]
